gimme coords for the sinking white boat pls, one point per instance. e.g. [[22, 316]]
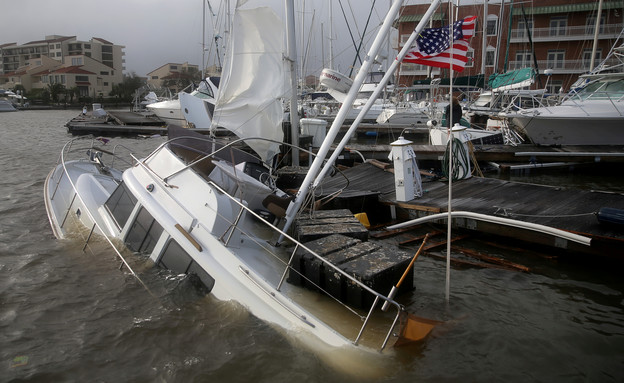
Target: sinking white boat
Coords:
[[199, 206]]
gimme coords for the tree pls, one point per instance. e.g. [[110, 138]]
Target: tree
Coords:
[[125, 90], [55, 91], [181, 80]]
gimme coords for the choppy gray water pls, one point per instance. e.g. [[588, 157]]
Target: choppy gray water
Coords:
[[73, 316]]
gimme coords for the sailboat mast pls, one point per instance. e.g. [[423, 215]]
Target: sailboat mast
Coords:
[[593, 54], [316, 166], [203, 39], [292, 59], [484, 37], [331, 36]]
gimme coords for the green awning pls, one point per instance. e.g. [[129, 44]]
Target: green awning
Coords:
[[417, 18], [566, 8]]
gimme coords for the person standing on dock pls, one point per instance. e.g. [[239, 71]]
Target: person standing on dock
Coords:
[[457, 112]]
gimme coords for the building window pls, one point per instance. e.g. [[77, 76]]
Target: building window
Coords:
[[555, 59], [404, 39], [522, 27], [77, 61], [58, 54], [492, 25], [554, 87], [490, 53], [587, 58], [470, 57], [58, 46], [590, 25], [173, 67], [104, 73], [558, 25], [87, 46], [154, 77], [523, 59], [82, 78], [62, 79]]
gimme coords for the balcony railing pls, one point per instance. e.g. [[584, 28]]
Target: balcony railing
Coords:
[[561, 67], [580, 32]]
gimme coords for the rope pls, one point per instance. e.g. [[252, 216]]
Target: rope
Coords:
[[476, 169], [460, 160]]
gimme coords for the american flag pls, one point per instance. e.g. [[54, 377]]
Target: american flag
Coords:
[[433, 46]]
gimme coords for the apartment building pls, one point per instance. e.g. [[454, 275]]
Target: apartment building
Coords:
[[555, 37], [93, 66]]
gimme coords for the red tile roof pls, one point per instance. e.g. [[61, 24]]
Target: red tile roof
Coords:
[[71, 69]]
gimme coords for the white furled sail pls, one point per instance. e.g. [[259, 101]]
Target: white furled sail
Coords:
[[253, 81]]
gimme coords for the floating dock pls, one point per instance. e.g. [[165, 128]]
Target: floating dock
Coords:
[[116, 123], [571, 210]]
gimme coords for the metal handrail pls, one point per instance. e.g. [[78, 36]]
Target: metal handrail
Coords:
[[235, 226], [298, 244]]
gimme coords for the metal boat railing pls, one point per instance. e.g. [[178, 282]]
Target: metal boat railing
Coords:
[[286, 262], [288, 267], [69, 148], [269, 249]]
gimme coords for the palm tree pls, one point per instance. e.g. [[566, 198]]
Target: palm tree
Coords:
[[55, 91]]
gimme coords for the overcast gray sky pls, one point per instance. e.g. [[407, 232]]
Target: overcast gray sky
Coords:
[[155, 32]]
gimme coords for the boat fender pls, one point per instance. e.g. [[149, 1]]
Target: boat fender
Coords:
[[610, 216]]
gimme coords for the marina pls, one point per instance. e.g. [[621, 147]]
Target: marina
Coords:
[[228, 234]]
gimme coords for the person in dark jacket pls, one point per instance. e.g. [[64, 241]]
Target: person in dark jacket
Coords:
[[457, 112]]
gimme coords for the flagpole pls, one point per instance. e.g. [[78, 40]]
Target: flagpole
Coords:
[[450, 169]]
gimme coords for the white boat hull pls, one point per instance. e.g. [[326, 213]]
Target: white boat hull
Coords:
[[169, 111], [571, 128]]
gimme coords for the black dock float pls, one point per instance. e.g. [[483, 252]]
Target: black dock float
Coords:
[[368, 262], [325, 222]]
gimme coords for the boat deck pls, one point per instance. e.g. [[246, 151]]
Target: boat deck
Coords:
[[571, 210]]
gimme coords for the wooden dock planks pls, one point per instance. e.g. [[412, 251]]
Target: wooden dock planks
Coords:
[[558, 207]]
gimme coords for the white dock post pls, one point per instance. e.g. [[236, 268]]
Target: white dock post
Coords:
[[405, 167]]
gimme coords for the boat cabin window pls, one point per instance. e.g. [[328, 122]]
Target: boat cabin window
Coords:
[[179, 261], [120, 204], [204, 90], [144, 233], [603, 90]]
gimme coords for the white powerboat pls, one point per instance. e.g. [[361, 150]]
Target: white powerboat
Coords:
[[6, 106], [591, 115], [173, 111], [199, 206]]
